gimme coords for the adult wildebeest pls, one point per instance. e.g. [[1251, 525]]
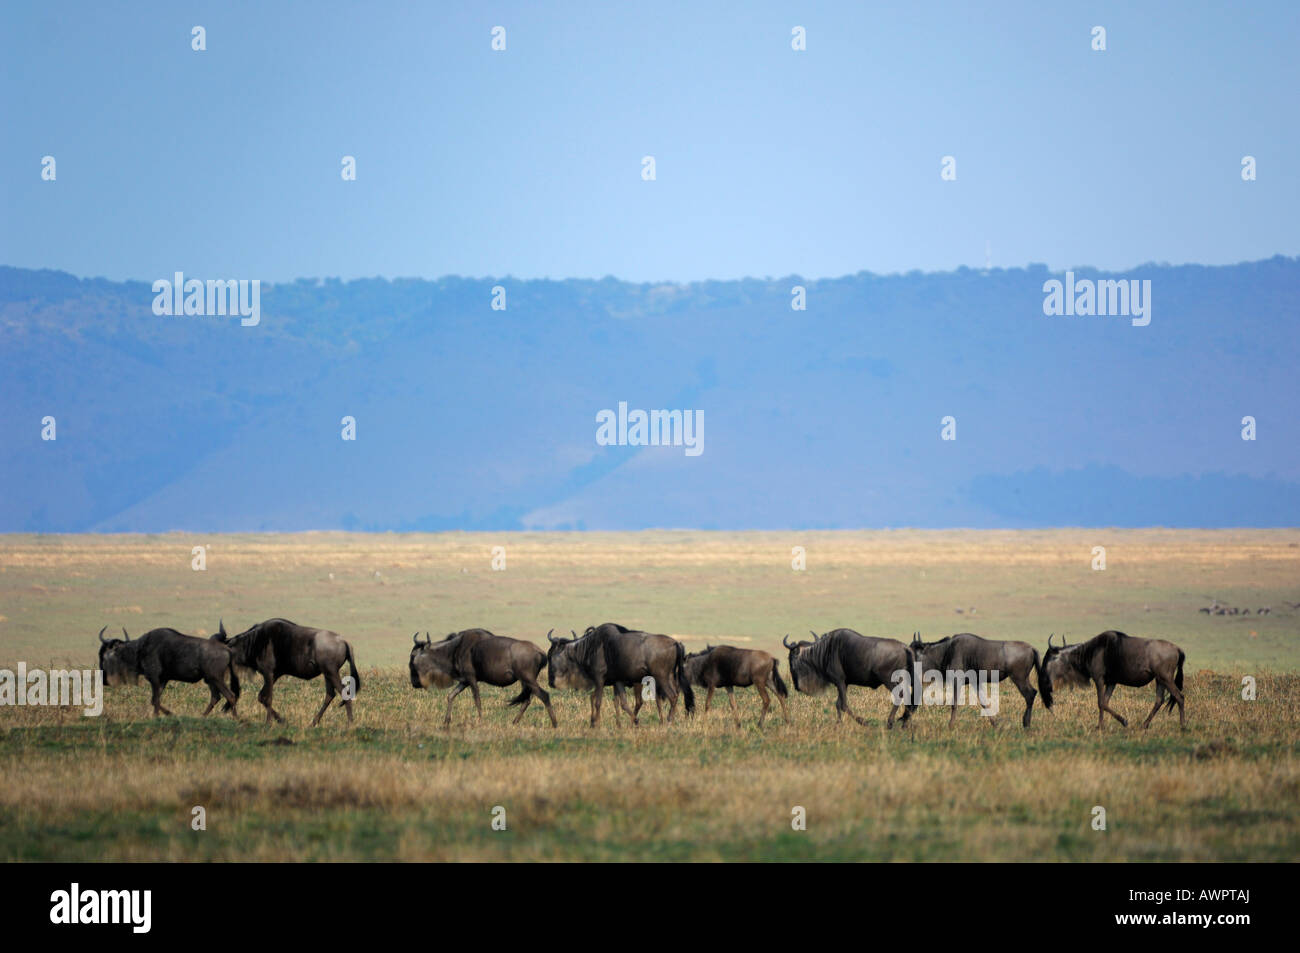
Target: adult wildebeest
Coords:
[[278, 647], [476, 655], [968, 655], [611, 654], [1114, 658], [842, 658], [165, 655], [724, 666]]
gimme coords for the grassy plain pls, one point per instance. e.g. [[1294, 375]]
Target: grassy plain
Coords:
[[396, 786]]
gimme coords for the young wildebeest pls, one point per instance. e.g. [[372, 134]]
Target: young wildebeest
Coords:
[[278, 647], [165, 655], [842, 658], [968, 655], [1114, 658], [724, 666], [611, 654], [476, 655]]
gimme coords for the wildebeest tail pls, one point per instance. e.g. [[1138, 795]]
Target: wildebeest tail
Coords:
[[352, 664], [683, 682], [1044, 683], [234, 680], [776, 680], [1178, 680], [520, 698]]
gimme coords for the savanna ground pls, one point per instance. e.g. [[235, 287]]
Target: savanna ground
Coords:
[[397, 786]]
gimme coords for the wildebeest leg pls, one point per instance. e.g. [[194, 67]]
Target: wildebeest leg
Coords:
[[335, 679], [842, 704], [596, 698], [478, 703], [762, 693], [659, 705], [451, 697], [785, 712], [545, 696], [731, 700], [528, 700], [1028, 693], [329, 697], [156, 696], [1103, 706], [232, 700], [953, 717], [893, 711], [215, 696], [673, 692], [1163, 686], [265, 695], [1160, 700], [620, 698], [708, 700]]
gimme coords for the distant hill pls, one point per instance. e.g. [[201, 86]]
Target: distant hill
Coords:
[[470, 418]]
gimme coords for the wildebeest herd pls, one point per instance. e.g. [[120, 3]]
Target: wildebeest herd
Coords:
[[656, 667]]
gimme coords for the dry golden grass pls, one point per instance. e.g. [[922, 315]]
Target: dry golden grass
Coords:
[[396, 786]]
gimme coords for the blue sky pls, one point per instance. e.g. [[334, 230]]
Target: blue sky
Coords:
[[527, 162]]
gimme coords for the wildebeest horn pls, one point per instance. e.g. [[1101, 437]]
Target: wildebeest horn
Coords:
[[572, 633], [221, 629], [101, 634], [785, 640], [415, 639], [813, 634], [1049, 639], [128, 638], [550, 636]]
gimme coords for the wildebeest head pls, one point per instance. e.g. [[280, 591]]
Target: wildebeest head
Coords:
[[117, 659], [243, 647], [431, 663], [563, 664], [693, 662], [806, 678], [1062, 664], [921, 649]]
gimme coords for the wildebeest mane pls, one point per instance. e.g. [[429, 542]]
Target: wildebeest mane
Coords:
[[586, 647]]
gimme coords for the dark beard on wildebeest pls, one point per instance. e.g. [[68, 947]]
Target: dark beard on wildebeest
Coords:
[[842, 658], [968, 653], [476, 655], [1113, 658], [611, 654]]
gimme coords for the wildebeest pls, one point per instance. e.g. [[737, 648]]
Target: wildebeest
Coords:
[[969, 654], [725, 666], [842, 658], [278, 647], [165, 655], [611, 654], [1113, 658], [476, 655]]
